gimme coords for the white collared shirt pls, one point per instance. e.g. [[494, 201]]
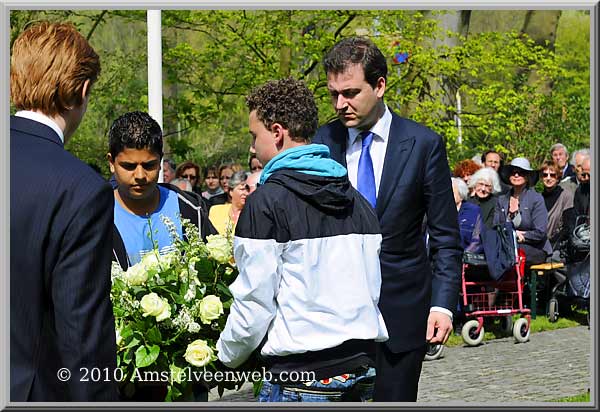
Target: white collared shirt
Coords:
[[42, 118], [381, 133]]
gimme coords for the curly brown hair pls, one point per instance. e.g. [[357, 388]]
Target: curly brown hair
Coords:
[[466, 167], [289, 103]]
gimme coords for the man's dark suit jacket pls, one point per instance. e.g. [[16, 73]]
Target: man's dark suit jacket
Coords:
[[415, 181], [61, 215]]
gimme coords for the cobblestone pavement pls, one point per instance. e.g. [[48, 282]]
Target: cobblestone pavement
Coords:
[[551, 365]]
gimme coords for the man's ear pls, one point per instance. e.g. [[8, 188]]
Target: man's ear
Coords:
[[111, 162], [380, 87], [86, 89], [278, 134]]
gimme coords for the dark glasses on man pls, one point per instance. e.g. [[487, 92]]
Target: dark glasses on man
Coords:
[[585, 175], [553, 175]]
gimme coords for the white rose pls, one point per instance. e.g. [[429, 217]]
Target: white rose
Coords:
[[154, 305], [150, 261], [210, 308], [219, 248], [136, 275], [166, 313], [198, 353]]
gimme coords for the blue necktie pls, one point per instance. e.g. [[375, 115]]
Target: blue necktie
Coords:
[[366, 175]]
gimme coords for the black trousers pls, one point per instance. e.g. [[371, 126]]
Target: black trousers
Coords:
[[397, 374]]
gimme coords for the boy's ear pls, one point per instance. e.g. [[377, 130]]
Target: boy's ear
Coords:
[[278, 134], [111, 162]]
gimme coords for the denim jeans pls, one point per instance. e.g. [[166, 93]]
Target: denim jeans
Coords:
[[351, 387]]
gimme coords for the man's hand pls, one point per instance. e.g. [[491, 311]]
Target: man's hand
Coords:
[[440, 324], [520, 236]]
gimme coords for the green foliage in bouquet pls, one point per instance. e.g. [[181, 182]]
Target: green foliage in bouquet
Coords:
[[169, 311]]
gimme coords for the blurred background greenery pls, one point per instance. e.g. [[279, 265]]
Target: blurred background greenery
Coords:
[[523, 76]]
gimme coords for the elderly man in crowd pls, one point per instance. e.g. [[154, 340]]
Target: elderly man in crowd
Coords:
[[560, 155], [577, 158]]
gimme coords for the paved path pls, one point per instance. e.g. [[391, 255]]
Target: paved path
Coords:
[[551, 365]]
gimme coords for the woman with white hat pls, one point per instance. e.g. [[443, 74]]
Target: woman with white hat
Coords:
[[525, 208]]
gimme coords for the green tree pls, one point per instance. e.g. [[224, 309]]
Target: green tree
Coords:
[[213, 58]]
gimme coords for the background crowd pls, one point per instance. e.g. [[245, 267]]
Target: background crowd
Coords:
[[544, 203], [484, 187]]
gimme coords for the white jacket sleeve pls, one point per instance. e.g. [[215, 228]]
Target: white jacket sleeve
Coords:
[[254, 291]]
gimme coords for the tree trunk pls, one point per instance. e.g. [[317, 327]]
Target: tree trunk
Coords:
[[456, 22], [285, 53], [541, 26]]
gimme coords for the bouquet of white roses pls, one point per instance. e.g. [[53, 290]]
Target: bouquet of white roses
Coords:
[[169, 311]]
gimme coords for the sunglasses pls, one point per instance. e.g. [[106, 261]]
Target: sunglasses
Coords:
[[553, 175], [585, 175], [518, 172], [189, 177]]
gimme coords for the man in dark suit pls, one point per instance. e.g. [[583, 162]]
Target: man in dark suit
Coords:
[[61, 212], [404, 173]]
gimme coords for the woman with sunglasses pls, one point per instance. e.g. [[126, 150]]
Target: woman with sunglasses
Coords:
[[190, 171], [224, 217], [525, 208], [556, 198]]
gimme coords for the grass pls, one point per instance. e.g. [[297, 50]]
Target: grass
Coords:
[[584, 397], [539, 324]]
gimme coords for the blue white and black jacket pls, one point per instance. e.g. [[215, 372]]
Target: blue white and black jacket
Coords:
[[307, 245]]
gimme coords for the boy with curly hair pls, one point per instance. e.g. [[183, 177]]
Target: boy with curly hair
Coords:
[[307, 246]]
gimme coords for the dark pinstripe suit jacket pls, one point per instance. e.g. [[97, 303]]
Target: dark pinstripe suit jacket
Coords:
[[61, 215]]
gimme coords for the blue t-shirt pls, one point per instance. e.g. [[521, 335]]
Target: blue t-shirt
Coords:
[[135, 230]]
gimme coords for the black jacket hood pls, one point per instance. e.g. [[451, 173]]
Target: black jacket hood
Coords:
[[326, 193]]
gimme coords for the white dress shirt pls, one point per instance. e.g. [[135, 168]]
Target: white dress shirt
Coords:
[[381, 134], [42, 118]]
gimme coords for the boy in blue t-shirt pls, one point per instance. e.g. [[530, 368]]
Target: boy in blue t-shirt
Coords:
[[135, 151]]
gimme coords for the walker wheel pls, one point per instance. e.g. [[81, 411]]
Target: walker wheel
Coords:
[[521, 330], [469, 333], [434, 351], [553, 310]]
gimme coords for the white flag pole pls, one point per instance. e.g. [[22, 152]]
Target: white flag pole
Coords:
[[458, 121], [155, 107]]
